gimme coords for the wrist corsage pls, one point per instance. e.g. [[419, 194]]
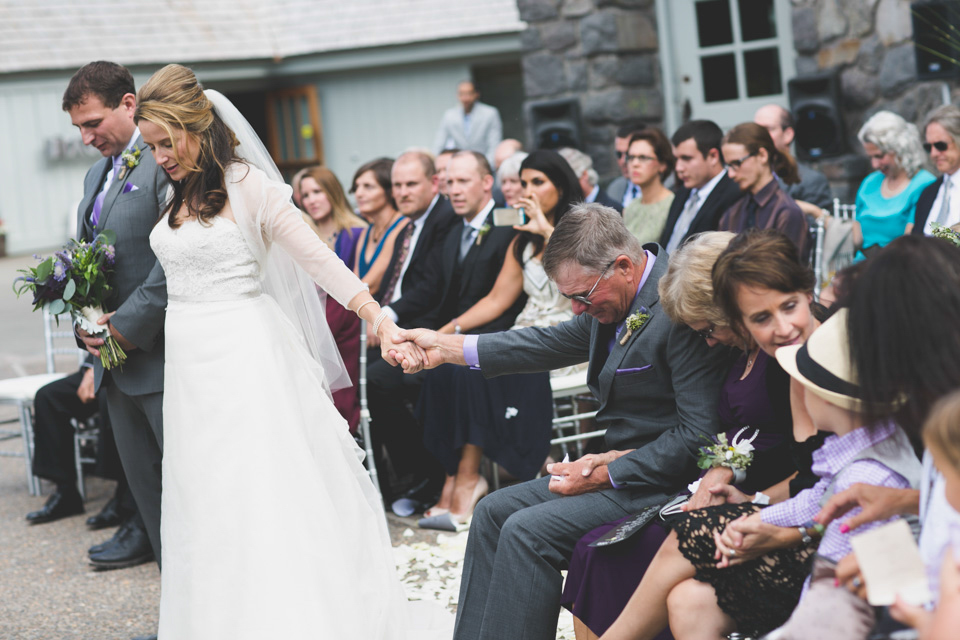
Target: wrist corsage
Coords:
[[736, 455]]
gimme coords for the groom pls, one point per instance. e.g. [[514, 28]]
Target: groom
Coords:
[[127, 197]]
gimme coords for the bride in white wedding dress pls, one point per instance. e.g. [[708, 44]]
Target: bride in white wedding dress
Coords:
[[270, 526]]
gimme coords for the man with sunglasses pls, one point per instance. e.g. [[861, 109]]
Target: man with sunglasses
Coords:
[[940, 201], [657, 384]]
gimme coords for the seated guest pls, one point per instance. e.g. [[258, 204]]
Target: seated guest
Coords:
[[812, 193], [582, 166], [650, 161], [751, 160], [753, 590], [509, 418], [459, 271], [372, 190], [887, 198], [657, 386], [601, 580], [621, 189], [441, 162], [509, 176], [506, 149], [707, 190], [329, 215], [939, 202]]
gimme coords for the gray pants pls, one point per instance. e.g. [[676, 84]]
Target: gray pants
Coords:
[[138, 429], [520, 539]]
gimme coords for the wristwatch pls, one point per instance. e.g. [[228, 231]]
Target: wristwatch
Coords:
[[805, 537]]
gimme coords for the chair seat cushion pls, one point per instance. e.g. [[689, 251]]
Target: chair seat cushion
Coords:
[[14, 390]]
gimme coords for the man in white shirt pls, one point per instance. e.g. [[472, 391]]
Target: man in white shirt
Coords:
[[940, 202], [621, 189], [472, 125]]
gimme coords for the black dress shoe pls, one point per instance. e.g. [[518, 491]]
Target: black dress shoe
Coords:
[[109, 542], [130, 547], [60, 504], [111, 515]]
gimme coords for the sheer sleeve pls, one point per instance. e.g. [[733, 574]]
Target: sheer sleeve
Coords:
[[283, 225]]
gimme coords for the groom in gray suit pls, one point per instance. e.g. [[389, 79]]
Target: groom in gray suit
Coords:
[[126, 196], [657, 384]]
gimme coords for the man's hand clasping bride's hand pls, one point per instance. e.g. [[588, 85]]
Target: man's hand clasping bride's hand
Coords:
[[435, 348], [395, 351]]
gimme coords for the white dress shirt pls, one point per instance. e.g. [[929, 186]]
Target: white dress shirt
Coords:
[[418, 225], [954, 216]]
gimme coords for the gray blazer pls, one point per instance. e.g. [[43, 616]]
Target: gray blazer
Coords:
[[658, 392], [486, 130], [140, 288]]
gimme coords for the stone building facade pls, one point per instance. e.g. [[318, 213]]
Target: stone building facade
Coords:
[[609, 54]]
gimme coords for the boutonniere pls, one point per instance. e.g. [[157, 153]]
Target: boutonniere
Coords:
[[634, 322], [130, 159], [484, 230]]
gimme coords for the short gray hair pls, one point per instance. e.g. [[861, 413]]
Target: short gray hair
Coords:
[[948, 117], [891, 133], [580, 162], [592, 236], [511, 166]]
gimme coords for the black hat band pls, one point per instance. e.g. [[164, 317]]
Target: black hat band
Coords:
[[818, 375]]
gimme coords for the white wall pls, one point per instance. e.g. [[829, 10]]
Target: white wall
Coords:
[[383, 112]]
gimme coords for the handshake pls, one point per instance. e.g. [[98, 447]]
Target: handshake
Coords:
[[418, 349]]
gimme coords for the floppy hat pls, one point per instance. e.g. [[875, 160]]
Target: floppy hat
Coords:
[[823, 364]]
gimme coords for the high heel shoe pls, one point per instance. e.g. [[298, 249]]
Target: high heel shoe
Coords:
[[454, 521]]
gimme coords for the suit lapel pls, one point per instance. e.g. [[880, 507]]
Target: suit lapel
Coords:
[[645, 302], [84, 228], [117, 187]]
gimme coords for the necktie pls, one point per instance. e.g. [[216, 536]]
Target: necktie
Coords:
[[684, 221], [465, 240], [750, 220], [98, 203], [945, 205], [405, 236]]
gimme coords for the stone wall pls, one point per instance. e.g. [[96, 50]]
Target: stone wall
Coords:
[[603, 52], [869, 42]]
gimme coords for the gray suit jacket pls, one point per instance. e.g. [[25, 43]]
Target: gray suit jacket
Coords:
[[658, 393], [486, 130], [140, 288]]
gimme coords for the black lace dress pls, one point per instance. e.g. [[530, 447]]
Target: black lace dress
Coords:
[[762, 593]]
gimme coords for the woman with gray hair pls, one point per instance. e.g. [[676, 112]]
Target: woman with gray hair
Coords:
[[509, 176], [888, 197]]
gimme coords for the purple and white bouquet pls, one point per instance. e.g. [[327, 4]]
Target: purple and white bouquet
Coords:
[[75, 279]]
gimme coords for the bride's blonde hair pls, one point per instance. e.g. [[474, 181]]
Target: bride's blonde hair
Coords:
[[173, 100]]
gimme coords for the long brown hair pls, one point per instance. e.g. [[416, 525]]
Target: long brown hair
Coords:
[[343, 215], [173, 100], [754, 137]]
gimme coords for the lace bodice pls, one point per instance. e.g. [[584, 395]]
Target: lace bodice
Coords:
[[545, 306], [206, 261]]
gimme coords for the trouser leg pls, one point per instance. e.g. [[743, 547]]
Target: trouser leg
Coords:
[[54, 405], [138, 430]]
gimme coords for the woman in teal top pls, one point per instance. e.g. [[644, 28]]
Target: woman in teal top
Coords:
[[888, 197], [372, 190]]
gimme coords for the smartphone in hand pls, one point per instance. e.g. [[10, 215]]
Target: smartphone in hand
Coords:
[[508, 217]]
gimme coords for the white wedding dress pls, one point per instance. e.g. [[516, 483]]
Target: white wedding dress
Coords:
[[271, 527]]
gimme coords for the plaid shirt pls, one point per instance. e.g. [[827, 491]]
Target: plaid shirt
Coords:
[[828, 460]]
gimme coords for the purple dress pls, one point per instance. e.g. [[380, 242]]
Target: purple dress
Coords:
[[601, 580]]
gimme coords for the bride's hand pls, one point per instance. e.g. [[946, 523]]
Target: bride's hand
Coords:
[[537, 222], [409, 356]]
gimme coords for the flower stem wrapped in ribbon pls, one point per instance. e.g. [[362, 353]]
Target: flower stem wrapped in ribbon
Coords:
[[74, 280], [738, 454]]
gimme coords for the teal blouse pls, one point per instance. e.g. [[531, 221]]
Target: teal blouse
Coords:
[[884, 219]]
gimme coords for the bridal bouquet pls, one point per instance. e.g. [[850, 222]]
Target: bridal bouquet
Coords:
[[74, 279]]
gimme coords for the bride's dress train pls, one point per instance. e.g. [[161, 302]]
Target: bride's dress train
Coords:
[[271, 527]]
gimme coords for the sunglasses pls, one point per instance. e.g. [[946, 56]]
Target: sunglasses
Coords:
[[736, 164], [585, 298], [939, 146], [620, 154]]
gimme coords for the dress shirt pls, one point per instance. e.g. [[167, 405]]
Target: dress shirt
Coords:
[[631, 193], [113, 161], [940, 523], [954, 205], [683, 223], [415, 235], [828, 461], [592, 196]]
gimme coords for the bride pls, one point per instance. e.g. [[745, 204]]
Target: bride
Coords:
[[270, 527]]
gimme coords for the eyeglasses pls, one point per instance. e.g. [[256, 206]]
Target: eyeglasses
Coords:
[[736, 164], [620, 154], [706, 333], [640, 158], [940, 146], [585, 299]]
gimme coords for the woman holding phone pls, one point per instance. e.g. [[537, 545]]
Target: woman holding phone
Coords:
[[465, 415]]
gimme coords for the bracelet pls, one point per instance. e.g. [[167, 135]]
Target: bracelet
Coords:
[[805, 537], [761, 498], [739, 474], [360, 308], [380, 318]]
